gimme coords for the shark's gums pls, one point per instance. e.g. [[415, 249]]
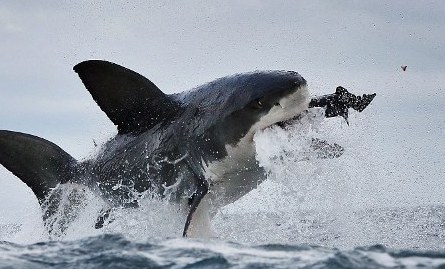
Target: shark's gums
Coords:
[[197, 145]]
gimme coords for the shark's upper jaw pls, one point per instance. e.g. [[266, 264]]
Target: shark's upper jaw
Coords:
[[286, 108]]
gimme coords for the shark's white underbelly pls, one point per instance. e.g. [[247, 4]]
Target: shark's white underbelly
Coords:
[[235, 175]]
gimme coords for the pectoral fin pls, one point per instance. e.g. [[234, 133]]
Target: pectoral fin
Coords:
[[194, 202]]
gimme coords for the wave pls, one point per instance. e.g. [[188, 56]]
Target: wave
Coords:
[[115, 251]]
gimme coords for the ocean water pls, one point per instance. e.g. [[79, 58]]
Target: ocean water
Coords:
[[116, 251], [310, 213]]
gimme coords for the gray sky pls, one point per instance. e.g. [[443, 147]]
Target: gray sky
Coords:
[[179, 45]]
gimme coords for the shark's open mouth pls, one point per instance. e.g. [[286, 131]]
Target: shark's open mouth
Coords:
[[336, 104], [283, 124]]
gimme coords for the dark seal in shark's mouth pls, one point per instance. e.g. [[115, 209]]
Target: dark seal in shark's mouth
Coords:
[[195, 148], [337, 104]]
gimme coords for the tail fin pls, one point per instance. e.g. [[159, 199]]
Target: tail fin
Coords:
[[37, 162]]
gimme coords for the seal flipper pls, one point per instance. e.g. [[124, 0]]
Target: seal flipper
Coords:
[[324, 150], [40, 164], [131, 101]]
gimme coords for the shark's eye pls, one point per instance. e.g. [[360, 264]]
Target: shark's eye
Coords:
[[257, 104]]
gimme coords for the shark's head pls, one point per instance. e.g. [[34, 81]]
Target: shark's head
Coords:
[[233, 109], [250, 102]]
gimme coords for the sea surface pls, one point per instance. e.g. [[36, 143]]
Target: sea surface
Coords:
[[116, 251]]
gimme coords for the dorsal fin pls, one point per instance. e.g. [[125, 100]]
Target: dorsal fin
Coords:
[[40, 164], [131, 101]]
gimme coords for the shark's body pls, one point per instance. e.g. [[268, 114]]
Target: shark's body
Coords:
[[195, 148]]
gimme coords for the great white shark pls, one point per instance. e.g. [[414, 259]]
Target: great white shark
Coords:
[[194, 148]]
